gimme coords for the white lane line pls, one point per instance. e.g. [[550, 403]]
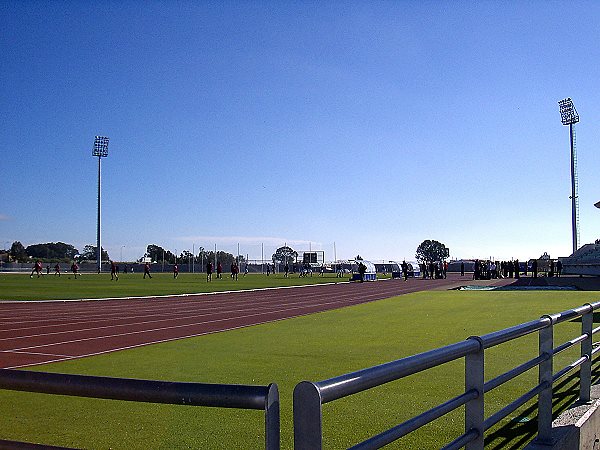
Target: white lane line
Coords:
[[94, 316], [145, 322], [290, 306], [345, 302], [174, 295], [174, 315], [159, 341], [36, 353], [171, 327]]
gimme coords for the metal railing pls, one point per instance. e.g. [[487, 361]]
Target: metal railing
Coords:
[[310, 396], [175, 393]]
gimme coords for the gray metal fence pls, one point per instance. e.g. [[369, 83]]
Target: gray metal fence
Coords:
[[176, 393], [310, 396]]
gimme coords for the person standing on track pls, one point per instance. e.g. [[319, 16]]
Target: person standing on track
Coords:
[[405, 270], [147, 270], [362, 269]]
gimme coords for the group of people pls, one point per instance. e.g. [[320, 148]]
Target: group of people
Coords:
[[235, 270], [485, 270], [37, 269], [433, 270]]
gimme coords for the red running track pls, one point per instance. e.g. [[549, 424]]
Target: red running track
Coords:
[[40, 332]]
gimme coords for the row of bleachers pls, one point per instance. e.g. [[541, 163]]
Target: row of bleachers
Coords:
[[585, 261]]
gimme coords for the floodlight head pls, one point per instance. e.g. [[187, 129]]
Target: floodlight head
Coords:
[[100, 147], [597, 204], [568, 113]]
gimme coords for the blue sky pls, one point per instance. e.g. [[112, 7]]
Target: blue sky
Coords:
[[371, 125]]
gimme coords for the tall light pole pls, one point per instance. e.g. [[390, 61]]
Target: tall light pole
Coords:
[[122, 247], [569, 116], [101, 151]]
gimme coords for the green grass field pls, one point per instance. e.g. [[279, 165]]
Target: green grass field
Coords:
[[48, 287], [312, 348]]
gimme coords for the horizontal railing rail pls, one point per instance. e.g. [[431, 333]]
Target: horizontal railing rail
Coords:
[[264, 398], [310, 396]]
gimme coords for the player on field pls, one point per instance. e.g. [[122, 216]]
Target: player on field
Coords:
[[75, 269], [234, 270], [147, 270], [57, 269], [114, 271], [175, 271], [209, 271], [37, 269]]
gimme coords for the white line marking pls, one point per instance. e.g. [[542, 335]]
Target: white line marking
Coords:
[[35, 353], [174, 295]]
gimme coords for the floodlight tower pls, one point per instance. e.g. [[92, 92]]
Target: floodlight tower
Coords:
[[101, 151], [569, 116]]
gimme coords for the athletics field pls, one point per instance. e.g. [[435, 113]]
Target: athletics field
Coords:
[[368, 324]]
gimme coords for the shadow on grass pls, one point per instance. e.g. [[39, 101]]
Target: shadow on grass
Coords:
[[596, 318], [522, 429]]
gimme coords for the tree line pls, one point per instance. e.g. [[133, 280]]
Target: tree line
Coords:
[[52, 252], [158, 254], [428, 251]]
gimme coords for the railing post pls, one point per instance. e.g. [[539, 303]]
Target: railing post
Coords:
[[272, 421], [545, 378], [585, 371], [474, 380], [308, 417]]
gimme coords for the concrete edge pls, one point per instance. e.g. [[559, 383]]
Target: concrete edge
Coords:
[[578, 428]]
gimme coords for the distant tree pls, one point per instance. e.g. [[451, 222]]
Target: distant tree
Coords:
[[89, 253], [226, 259], [284, 254], [53, 251], [201, 257], [18, 253], [185, 256], [431, 251], [157, 253], [358, 258]]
